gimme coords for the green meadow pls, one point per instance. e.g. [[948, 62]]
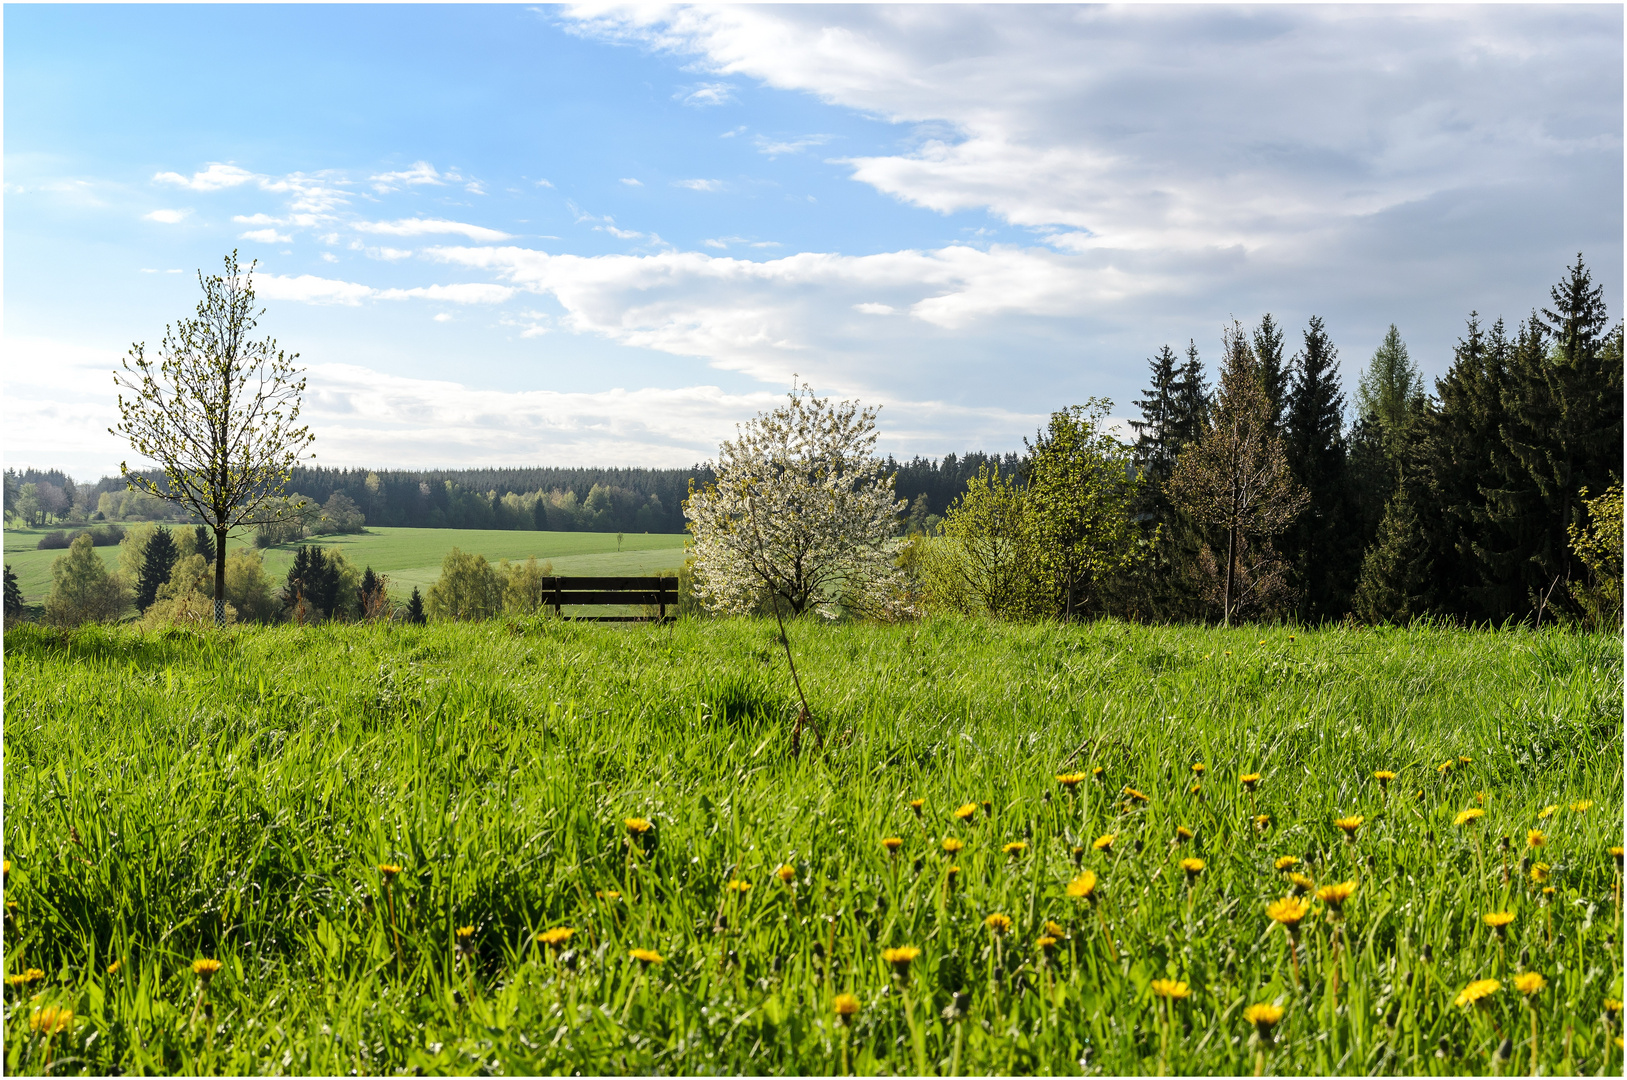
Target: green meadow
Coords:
[[411, 557], [599, 855]]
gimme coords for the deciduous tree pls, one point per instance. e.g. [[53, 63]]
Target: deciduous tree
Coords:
[[217, 411]]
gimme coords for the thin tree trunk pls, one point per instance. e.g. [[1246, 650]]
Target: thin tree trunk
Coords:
[[220, 575], [1231, 576]]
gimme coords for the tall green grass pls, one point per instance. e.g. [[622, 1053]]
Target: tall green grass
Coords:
[[176, 797]]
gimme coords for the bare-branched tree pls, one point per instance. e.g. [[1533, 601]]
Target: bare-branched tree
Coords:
[[218, 412]]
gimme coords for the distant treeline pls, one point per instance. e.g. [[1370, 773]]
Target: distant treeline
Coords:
[[591, 500]]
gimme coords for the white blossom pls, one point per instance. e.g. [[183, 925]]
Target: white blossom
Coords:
[[802, 514]]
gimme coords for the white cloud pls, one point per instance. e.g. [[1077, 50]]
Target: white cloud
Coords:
[[166, 217], [265, 236], [543, 183], [443, 317], [418, 174], [706, 94], [427, 227], [329, 257], [213, 177], [630, 182], [468, 293], [875, 309], [776, 147], [309, 289], [258, 219], [619, 234], [475, 187], [388, 254], [699, 185]]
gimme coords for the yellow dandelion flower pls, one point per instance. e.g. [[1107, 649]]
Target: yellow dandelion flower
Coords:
[[1547, 811], [1349, 825], [1464, 760], [1335, 895], [1104, 843], [738, 886], [1547, 891], [113, 968], [1054, 929], [1199, 768], [646, 956], [1287, 911], [965, 811], [1194, 789], [998, 923], [1615, 853], [1171, 988], [1136, 795], [1468, 815], [1581, 806], [1300, 882], [1535, 838], [1497, 920], [1612, 1005], [1083, 887], [465, 933], [1480, 797], [785, 873], [1539, 873], [1249, 780], [1477, 990], [555, 937], [25, 977], [951, 874], [1444, 767], [1182, 834], [844, 1005], [1069, 780], [1287, 862], [5, 867], [1015, 848], [1193, 868], [1045, 942], [637, 826], [1384, 776], [901, 957], [389, 870], [1263, 1016], [892, 843], [205, 967], [51, 1019], [916, 804], [608, 894], [952, 845], [1262, 822], [1529, 983]]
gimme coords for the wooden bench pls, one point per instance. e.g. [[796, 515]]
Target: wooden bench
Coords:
[[660, 593]]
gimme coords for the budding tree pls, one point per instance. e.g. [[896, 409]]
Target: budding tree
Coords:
[[801, 516], [218, 412]]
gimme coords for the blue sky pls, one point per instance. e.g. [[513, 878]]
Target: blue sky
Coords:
[[515, 235]]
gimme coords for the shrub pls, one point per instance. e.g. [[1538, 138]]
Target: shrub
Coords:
[[82, 590], [469, 588], [52, 541]]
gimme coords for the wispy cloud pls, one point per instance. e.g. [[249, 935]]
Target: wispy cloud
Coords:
[[310, 289], [265, 236], [776, 147], [166, 217], [420, 174], [699, 185], [429, 226], [704, 95], [213, 177], [631, 182]]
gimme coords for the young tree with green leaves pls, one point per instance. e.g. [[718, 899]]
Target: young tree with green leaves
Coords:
[[1081, 491], [1391, 387], [82, 589], [469, 588], [1236, 477], [217, 411], [984, 562]]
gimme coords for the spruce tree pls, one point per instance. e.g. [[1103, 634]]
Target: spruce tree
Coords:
[[1394, 583], [1391, 385], [203, 543], [1274, 374], [1191, 401], [158, 561], [14, 595], [415, 607], [1158, 407], [1319, 543]]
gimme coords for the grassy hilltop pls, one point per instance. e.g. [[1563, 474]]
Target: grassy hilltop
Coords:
[[176, 798]]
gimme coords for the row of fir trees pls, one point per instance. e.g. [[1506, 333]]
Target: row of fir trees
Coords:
[[1495, 498]]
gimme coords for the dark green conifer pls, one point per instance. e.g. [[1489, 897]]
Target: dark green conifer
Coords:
[[157, 563]]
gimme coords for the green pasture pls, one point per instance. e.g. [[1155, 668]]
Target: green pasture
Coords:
[[231, 797], [411, 557]]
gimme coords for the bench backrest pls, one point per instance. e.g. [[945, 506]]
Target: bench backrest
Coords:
[[660, 593]]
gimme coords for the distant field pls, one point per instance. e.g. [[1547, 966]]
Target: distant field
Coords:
[[411, 557]]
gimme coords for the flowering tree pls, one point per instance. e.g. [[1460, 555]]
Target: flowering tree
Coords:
[[801, 517]]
